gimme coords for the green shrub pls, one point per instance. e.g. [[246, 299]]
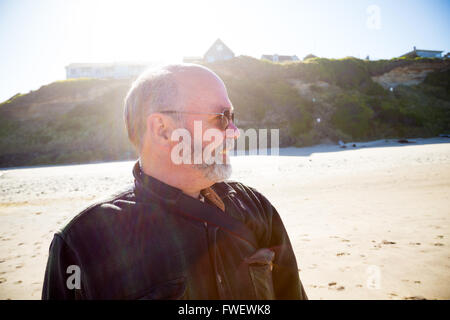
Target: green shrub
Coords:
[[352, 116]]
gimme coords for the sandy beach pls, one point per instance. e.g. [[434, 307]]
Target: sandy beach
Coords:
[[366, 222]]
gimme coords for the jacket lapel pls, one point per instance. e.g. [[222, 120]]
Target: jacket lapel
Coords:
[[211, 214], [153, 190]]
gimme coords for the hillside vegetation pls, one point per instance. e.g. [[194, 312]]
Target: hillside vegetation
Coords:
[[78, 121]]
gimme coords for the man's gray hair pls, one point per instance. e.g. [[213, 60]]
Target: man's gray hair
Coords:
[[155, 90]]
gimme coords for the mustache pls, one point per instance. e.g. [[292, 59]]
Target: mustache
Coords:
[[222, 149], [225, 146], [228, 144]]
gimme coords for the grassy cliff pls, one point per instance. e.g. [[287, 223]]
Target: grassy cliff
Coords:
[[78, 121], [342, 93]]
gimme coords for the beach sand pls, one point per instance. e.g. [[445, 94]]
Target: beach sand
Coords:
[[365, 222]]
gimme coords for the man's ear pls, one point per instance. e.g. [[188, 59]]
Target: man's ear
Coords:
[[158, 128]]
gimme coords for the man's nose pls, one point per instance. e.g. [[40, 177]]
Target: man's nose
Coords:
[[235, 131]]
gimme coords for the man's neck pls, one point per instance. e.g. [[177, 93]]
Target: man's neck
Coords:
[[188, 183]]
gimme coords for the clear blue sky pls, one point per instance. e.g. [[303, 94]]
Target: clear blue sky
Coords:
[[39, 38]]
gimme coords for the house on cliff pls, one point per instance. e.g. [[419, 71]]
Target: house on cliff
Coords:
[[217, 52], [279, 58], [105, 70], [423, 53]]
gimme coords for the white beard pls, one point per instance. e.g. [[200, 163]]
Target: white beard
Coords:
[[216, 172]]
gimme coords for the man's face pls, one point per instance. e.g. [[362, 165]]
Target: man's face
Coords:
[[204, 92]]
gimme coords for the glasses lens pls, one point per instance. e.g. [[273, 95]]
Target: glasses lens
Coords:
[[224, 121], [227, 118]]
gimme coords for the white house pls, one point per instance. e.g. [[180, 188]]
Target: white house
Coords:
[[278, 58], [217, 52], [105, 70], [423, 53]]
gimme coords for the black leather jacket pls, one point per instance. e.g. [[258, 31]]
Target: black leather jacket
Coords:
[[154, 242]]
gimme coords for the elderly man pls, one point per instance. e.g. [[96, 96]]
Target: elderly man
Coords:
[[181, 231]]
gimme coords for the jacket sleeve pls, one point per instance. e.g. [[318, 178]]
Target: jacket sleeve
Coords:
[[286, 280], [57, 273]]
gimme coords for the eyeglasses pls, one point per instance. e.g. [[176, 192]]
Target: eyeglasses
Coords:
[[225, 117]]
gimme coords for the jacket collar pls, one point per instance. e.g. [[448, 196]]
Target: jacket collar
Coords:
[[148, 187]]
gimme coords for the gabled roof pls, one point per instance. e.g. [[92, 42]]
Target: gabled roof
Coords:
[[435, 51], [214, 46], [422, 50]]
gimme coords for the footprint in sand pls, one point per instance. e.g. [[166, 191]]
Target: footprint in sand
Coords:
[[417, 281], [438, 244], [18, 282], [414, 298], [19, 266], [2, 280], [344, 269], [332, 285], [345, 240], [359, 285], [440, 237], [393, 294], [342, 254]]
